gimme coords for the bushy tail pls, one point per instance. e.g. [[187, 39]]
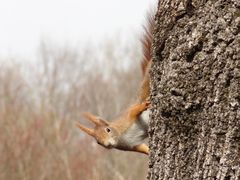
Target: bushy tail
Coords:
[[146, 40]]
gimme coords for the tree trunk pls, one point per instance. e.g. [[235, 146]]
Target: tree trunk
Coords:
[[195, 91]]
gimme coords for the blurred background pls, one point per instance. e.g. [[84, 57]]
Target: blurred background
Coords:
[[59, 58]]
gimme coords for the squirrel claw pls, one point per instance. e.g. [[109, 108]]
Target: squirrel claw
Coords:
[[147, 104]]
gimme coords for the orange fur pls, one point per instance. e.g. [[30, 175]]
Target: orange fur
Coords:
[[143, 148], [114, 133], [129, 117]]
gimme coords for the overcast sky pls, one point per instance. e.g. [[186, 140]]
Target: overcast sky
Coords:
[[23, 23]]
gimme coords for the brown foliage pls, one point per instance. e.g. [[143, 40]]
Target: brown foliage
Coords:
[[39, 104]]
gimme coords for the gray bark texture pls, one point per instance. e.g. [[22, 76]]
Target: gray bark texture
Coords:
[[195, 91]]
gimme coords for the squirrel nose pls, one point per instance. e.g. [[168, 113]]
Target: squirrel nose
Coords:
[[99, 143]]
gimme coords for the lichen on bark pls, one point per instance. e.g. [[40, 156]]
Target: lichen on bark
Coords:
[[195, 91]]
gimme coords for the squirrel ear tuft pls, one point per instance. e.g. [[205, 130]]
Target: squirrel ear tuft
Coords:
[[85, 129], [104, 122], [92, 118], [96, 120]]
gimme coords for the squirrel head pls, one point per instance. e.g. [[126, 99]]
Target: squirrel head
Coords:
[[103, 132]]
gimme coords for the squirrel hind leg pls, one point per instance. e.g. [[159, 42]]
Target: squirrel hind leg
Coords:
[[137, 109], [141, 148]]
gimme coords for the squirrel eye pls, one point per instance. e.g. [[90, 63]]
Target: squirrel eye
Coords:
[[108, 130]]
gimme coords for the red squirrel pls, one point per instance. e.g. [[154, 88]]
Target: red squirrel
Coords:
[[128, 131]]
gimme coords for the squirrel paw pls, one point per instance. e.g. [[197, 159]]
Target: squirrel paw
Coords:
[[147, 104]]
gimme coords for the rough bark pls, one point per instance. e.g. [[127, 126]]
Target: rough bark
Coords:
[[195, 90]]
